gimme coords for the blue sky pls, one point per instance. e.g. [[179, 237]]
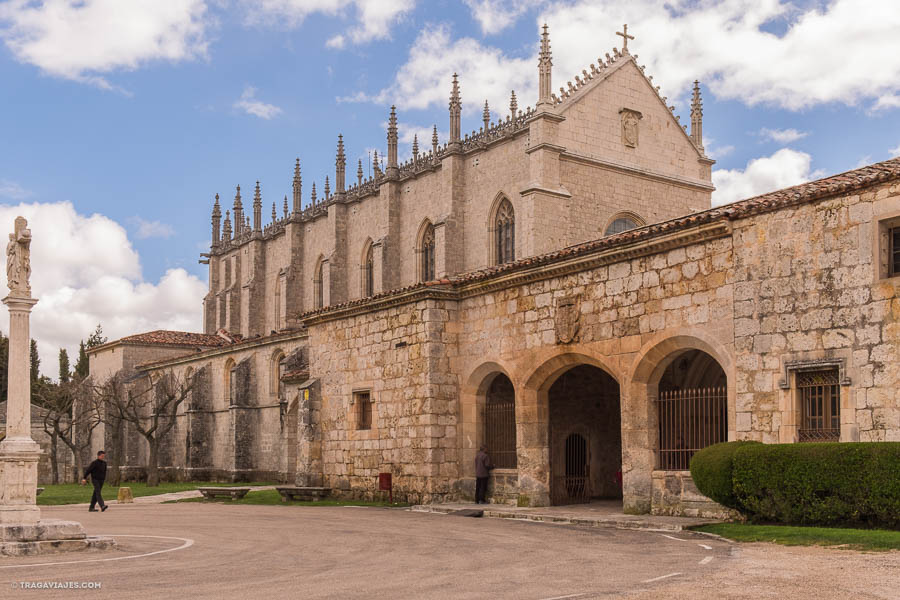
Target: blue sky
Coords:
[[139, 111]]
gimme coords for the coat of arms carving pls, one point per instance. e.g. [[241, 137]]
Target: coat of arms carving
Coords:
[[568, 319], [630, 119]]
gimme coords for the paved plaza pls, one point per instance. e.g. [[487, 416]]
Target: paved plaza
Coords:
[[220, 551]]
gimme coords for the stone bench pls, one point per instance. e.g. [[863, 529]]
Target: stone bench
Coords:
[[234, 493], [304, 494]]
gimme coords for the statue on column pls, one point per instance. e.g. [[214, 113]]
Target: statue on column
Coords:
[[18, 259]]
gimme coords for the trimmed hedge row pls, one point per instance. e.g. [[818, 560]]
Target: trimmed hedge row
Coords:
[[805, 484]]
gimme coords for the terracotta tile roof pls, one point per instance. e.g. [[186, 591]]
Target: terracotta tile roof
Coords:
[[834, 185], [162, 337]]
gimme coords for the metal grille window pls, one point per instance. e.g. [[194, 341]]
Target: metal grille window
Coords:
[[621, 224], [505, 230], [820, 406], [428, 254], [690, 420], [363, 402], [894, 252], [500, 423]]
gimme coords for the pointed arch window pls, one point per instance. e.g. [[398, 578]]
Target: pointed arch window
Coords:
[[368, 272], [318, 287], [428, 273], [505, 233]]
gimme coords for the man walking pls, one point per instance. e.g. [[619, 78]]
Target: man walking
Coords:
[[483, 466], [97, 472]]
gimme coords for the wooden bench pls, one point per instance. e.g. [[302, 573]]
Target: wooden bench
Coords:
[[234, 493], [304, 494]]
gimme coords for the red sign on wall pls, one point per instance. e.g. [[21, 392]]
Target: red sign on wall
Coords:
[[384, 482]]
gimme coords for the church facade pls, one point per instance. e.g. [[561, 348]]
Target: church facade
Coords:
[[553, 286]]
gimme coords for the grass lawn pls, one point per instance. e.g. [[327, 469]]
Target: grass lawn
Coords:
[[73, 493], [855, 539], [273, 497]]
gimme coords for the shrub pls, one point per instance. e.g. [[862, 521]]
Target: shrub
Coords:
[[819, 483], [711, 470]]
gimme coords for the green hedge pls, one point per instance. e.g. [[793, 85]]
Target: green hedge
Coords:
[[820, 484], [711, 470], [854, 484]]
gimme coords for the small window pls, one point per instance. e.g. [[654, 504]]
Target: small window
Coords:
[[820, 405], [504, 233], [369, 272], [319, 287], [428, 254], [621, 224], [894, 252], [363, 401]]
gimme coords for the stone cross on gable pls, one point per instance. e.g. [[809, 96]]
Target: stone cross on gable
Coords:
[[625, 37]]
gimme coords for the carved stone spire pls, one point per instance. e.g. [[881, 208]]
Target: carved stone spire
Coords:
[[274, 213], [257, 209], [697, 118], [376, 168], [415, 148], [545, 69], [216, 218], [434, 144], [298, 188], [285, 207], [359, 174], [486, 116], [226, 228], [513, 105], [340, 165], [313, 197], [455, 111], [238, 213], [327, 189]]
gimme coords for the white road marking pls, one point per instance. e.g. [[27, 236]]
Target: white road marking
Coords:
[[661, 577], [705, 547], [187, 544], [706, 560], [564, 597], [674, 538]]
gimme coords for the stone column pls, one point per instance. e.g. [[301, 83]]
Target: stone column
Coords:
[[18, 452]]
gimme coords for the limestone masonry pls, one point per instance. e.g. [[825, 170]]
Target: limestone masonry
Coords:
[[554, 286]]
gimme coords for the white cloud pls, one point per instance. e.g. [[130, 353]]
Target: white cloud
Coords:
[[895, 151], [151, 229], [824, 56], [374, 18], [494, 16], [887, 102], [83, 39], [485, 73], [12, 190], [250, 105], [85, 271], [782, 136], [784, 168]]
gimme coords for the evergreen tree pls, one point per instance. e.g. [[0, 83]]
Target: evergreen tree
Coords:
[[82, 365], [35, 363], [97, 338], [64, 373]]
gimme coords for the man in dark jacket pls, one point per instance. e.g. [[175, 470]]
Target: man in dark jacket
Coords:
[[483, 466], [97, 472]]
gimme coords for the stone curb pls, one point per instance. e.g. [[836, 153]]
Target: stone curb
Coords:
[[635, 524]]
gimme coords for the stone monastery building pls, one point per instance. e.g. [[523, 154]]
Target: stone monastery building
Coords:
[[554, 286]]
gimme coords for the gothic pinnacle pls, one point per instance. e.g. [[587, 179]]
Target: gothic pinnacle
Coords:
[[415, 148], [216, 217], [359, 174], [285, 206], [298, 188], [392, 165], [340, 167], [327, 189], [486, 116], [545, 69], [697, 117], [257, 209], [513, 105], [314, 193], [455, 111], [226, 229], [274, 213], [238, 212]]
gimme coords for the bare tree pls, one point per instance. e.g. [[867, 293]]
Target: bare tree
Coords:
[[149, 403], [69, 418]]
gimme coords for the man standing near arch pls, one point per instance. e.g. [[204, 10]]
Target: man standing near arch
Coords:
[[483, 466]]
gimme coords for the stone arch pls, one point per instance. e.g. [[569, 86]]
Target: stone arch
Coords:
[[473, 394], [501, 207], [546, 374], [318, 299], [367, 269], [641, 412], [425, 252], [617, 223], [275, 371]]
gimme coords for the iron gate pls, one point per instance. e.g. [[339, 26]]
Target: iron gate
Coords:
[[574, 487], [690, 420]]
